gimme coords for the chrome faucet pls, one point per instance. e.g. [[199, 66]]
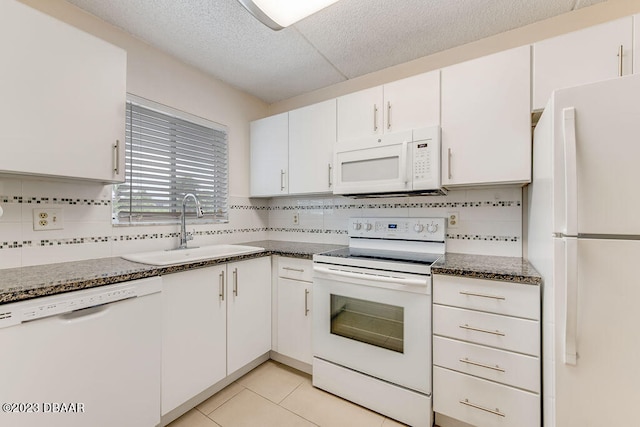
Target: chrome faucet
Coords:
[[184, 236]]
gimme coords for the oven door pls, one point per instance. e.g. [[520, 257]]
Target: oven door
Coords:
[[374, 322], [379, 169]]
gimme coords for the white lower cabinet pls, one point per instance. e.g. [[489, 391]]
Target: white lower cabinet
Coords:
[[248, 311], [486, 352], [294, 309], [215, 320]]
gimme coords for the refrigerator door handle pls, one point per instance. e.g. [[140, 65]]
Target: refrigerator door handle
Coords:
[[571, 292], [570, 171]]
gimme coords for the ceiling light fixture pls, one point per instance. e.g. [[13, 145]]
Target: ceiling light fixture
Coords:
[[277, 14]]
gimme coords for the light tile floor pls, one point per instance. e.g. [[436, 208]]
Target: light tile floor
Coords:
[[274, 395]]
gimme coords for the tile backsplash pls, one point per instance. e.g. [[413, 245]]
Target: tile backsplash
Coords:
[[490, 221]]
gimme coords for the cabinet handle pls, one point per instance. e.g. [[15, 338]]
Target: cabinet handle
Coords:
[[471, 294], [116, 157], [301, 270], [388, 114], [482, 408], [486, 331], [306, 302], [235, 281], [330, 169], [482, 365], [620, 51], [449, 163], [282, 179], [375, 118], [221, 289]]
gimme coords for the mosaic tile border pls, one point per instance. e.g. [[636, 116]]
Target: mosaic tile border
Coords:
[[54, 201], [175, 235]]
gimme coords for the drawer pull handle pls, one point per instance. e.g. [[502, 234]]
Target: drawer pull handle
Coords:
[[471, 294], [482, 408], [482, 365], [486, 331], [301, 270]]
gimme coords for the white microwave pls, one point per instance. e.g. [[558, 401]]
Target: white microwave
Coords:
[[401, 163]]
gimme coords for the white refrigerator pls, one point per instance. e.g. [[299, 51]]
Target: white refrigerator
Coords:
[[584, 238]]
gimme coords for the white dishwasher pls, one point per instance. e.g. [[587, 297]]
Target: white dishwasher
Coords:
[[83, 358]]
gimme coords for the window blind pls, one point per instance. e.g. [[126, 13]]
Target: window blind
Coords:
[[168, 156]]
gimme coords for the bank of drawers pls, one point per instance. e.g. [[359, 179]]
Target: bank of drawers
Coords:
[[486, 351]]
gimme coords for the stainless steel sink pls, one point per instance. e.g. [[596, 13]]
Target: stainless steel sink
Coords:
[[179, 256]]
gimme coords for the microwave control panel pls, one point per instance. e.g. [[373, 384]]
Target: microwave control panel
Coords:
[[426, 159]]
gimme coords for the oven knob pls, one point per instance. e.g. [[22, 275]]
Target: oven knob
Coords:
[[418, 228], [357, 226], [367, 226], [432, 228]]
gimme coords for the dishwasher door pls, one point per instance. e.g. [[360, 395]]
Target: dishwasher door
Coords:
[[98, 366]]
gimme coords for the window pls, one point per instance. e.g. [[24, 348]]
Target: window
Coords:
[[169, 154]]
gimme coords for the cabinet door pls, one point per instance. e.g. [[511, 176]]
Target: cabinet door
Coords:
[[193, 334], [269, 155], [581, 57], [63, 99], [360, 114], [486, 122], [249, 311], [312, 134], [294, 319], [412, 103]]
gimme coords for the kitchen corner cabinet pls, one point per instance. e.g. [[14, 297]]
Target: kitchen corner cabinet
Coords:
[[486, 120], [410, 103], [270, 156], [312, 134], [295, 278], [581, 57], [215, 320], [63, 99], [486, 351]]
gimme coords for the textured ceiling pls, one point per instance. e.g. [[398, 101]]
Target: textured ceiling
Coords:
[[343, 41]]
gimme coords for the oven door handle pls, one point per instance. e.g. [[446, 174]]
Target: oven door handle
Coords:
[[372, 277]]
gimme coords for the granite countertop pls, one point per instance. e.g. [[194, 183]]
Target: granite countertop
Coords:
[[18, 284], [510, 269]]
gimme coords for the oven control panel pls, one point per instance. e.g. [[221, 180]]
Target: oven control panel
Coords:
[[422, 229]]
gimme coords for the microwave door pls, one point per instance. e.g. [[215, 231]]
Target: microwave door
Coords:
[[373, 170]]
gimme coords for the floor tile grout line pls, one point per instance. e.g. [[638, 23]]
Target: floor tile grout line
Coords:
[[293, 412], [226, 401]]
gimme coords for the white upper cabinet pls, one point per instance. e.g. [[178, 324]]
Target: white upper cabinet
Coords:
[[269, 156], [486, 121], [581, 57], [405, 104], [312, 134], [63, 99]]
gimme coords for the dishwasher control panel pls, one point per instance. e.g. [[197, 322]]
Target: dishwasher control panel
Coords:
[[68, 305], [38, 308]]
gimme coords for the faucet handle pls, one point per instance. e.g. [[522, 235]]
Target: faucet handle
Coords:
[[188, 236]]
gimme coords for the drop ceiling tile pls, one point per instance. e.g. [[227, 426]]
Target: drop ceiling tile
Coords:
[[362, 36]]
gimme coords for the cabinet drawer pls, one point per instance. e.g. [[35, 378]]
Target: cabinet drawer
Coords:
[[501, 366], [487, 295], [296, 269], [503, 332], [483, 403]]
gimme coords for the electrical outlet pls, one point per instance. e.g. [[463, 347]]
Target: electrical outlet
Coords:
[[296, 219], [48, 219], [453, 218]]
